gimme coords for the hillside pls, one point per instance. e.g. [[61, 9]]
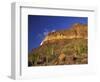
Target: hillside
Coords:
[[63, 47]]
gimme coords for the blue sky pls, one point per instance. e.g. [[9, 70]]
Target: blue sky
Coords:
[[39, 26]]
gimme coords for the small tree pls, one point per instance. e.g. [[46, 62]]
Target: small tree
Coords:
[[35, 58]]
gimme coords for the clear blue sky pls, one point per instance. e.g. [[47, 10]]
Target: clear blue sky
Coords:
[[39, 26]]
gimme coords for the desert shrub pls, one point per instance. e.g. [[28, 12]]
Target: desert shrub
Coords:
[[80, 48]]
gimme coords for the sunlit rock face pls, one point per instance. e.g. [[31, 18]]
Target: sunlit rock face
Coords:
[[76, 31]]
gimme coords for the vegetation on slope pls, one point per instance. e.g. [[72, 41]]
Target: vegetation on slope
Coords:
[[60, 52]]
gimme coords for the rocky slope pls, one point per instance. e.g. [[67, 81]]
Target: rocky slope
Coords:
[[62, 47]]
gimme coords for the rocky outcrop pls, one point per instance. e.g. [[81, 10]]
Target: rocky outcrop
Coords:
[[76, 31]]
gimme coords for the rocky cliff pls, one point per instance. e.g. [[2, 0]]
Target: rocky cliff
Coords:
[[76, 31]]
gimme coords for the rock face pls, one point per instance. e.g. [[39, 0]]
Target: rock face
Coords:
[[62, 47], [76, 31]]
